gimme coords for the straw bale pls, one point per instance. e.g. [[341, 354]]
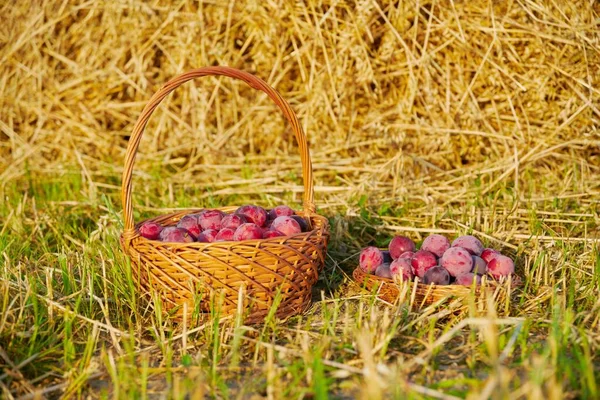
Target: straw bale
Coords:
[[397, 98]]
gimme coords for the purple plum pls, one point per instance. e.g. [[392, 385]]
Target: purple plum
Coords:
[[248, 231], [489, 254], [383, 271], [271, 233], [254, 214], [225, 235], [399, 245], [479, 265], [469, 243], [210, 219], [421, 261], [501, 266], [467, 279], [208, 236], [407, 254], [436, 244], [286, 225], [437, 276], [280, 211], [190, 222], [302, 222], [370, 258], [457, 261], [402, 269], [150, 230], [232, 221], [176, 235]]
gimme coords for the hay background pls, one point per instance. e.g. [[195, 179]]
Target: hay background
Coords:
[[408, 101]]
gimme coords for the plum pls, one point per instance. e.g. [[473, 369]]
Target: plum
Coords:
[[421, 261], [175, 234], [225, 235], [387, 257], [501, 266], [489, 254], [399, 245], [208, 235], [271, 233], [479, 265], [370, 258], [467, 279], [280, 211], [436, 244], [469, 243], [254, 214], [401, 268], [150, 230], [437, 276], [286, 225], [210, 219], [457, 261], [302, 222], [190, 222], [383, 271], [232, 221], [407, 254], [248, 231]]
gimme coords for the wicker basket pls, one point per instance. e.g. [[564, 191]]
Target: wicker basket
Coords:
[[250, 275], [420, 294]]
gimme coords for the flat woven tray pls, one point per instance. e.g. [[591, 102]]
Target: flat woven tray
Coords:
[[423, 295]]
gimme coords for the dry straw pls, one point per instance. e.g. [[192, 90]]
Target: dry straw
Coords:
[[402, 100], [262, 274]]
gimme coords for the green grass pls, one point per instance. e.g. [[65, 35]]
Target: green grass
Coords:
[[73, 324]]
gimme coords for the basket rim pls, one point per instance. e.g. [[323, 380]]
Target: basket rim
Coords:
[[136, 236], [515, 281]]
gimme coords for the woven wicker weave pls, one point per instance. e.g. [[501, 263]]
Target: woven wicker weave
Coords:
[[257, 272], [422, 295]]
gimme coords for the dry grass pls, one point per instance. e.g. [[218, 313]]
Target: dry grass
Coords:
[[391, 96], [421, 116]]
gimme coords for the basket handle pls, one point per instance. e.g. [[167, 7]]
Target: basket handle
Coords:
[[157, 98]]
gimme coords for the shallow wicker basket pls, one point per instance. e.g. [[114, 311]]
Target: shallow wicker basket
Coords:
[[420, 294], [250, 275]]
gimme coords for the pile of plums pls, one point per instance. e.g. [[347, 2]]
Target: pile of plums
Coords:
[[438, 261], [246, 223]]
